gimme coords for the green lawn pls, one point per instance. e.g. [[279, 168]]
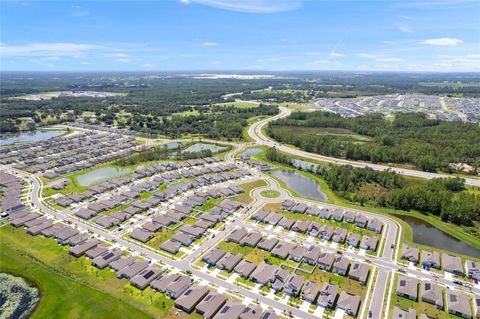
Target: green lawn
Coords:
[[245, 197], [270, 194], [71, 287]]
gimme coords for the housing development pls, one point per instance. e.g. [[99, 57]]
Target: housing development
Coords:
[[240, 159], [220, 236]]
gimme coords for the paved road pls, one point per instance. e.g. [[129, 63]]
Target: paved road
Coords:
[[385, 263], [255, 132]]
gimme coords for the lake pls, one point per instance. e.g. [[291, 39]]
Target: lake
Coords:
[[301, 184], [27, 137], [100, 175], [17, 298], [426, 234], [198, 147], [252, 151]]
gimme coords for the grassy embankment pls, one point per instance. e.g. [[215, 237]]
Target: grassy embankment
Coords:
[[71, 287]]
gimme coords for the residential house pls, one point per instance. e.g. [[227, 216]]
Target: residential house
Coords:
[[361, 221], [210, 305], [294, 284], [369, 243], [301, 226], [430, 259], [310, 291], [328, 295], [178, 286], [340, 265], [263, 273], [231, 310], [349, 302], [297, 253], [339, 235], [267, 243], [281, 250], [325, 261], [407, 287], [229, 261], [404, 314], [171, 246], [453, 264], [312, 254], [375, 225], [473, 269], [410, 253], [145, 277], [458, 303], [245, 268], [251, 239], [191, 298], [432, 294], [359, 272], [353, 239]]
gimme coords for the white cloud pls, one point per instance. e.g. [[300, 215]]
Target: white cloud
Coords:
[[250, 6], [389, 59], [46, 49], [118, 55], [442, 41], [316, 62], [336, 55], [85, 63], [367, 55], [147, 65], [123, 60], [209, 44], [404, 29]]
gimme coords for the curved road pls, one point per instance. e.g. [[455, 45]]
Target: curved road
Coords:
[[255, 132]]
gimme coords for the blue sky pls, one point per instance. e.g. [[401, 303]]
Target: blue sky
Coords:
[[436, 35]]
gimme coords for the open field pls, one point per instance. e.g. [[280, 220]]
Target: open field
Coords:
[[63, 280], [245, 197]]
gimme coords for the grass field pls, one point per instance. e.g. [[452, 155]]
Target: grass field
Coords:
[[338, 134], [270, 194], [71, 287], [245, 197]]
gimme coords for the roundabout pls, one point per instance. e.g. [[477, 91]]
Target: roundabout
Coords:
[[270, 193]]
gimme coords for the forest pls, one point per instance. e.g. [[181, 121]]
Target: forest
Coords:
[[156, 94], [443, 197], [408, 138]]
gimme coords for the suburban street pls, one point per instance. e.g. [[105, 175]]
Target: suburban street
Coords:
[[384, 262]]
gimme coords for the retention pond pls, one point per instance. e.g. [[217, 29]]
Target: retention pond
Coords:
[[426, 234]]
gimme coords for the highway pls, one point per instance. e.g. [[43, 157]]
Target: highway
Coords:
[[255, 132]]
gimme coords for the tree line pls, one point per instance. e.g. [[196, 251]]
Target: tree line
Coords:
[[410, 138]]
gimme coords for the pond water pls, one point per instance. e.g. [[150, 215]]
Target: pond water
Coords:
[[100, 175], [17, 298], [172, 145], [426, 234], [197, 147], [28, 137], [252, 151], [301, 184]]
